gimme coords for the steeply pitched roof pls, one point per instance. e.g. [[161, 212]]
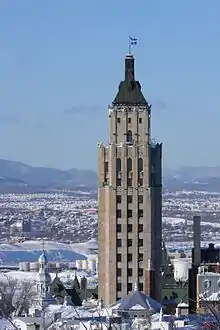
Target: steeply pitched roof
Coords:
[[129, 91]]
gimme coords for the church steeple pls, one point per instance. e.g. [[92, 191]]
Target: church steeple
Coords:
[[44, 281]]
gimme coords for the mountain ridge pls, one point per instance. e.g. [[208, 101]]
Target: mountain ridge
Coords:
[[16, 176]]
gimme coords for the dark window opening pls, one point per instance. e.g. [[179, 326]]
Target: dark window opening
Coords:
[[129, 120], [129, 198], [106, 167], [118, 164], [140, 171], [129, 172], [118, 272], [118, 242], [118, 214], [129, 257], [140, 213], [141, 287], [140, 272], [140, 242], [140, 228], [118, 172], [118, 287], [118, 228], [129, 242], [140, 257], [129, 137], [129, 271], [118, 199], [140, 120], [129, 213], [140, 199], [118, 257], [130, 287], [129, 228], [118, 120]]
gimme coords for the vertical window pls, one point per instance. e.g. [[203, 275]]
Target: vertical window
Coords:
[[118, 172], [129, 137], [118, 199], [140, 171], [140, 120], [106, 172], [129, 120], [118, 120], [129, 172]]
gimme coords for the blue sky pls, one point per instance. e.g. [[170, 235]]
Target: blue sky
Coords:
[[61, 61]]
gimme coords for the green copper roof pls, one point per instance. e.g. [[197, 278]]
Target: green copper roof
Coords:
[[129, 91]]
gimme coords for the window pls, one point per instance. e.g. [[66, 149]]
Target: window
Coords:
[[118, 199], [140, 171], [140, 228], [140, 257], [106, 167], [129, 257], [141, 287], [140, 199], [140, 242], [129, 213], [118, 272], [118, 164], [118, 257], [129, 198], [129, 228], [129, 120], [140, 272], [118, 214], [130, 287], [118, 120], [140, 120], [129, 242], [129, 137], [118, 228], [129, 271], [118, 287], [140, 213], [118, 242]]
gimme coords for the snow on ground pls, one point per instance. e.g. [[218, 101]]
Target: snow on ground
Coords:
[[176, 221], [5, 324], [66, 276]]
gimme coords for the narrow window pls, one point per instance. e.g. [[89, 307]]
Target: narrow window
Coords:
[[129, 172], [140, 171], [129, 137], [118, 120]]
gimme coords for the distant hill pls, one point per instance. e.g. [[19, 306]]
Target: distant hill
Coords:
[[16, 176], [193, 177], [19, 177]]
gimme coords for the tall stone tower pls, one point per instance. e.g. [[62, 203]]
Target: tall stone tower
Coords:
[[130, 197]]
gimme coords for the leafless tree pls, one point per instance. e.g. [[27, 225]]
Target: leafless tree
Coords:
[[15, 295]]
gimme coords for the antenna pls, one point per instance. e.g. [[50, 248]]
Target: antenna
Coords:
[[43, 245]]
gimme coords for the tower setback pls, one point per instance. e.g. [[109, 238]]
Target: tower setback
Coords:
[[130, 197]]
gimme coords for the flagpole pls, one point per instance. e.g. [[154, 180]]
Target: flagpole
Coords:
[[129, 45]]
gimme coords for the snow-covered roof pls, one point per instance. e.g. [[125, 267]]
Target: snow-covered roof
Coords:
[[137, 300]]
